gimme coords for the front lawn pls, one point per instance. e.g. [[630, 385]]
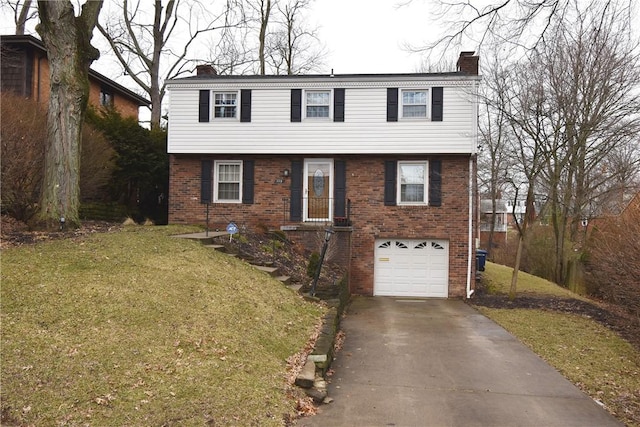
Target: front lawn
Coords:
[[138, 328], [564, 332]]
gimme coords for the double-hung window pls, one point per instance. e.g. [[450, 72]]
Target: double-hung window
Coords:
[[412, 183], [228, 181], [318, 104], [414, 103], [225, 104]]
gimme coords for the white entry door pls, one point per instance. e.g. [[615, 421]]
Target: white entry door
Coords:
[[411, 268]]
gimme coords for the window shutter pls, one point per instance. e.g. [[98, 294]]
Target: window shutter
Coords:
[[392, 104], [435, 183], [390, 171], [247, 181], [340, 188], [245, 105], [295, 206], [206, 189], [203, 106], [296, 105], [436, 104], [338, 105]]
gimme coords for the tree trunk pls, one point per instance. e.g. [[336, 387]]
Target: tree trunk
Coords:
[[265, 11], [516, 268], [68, 42], [22, 17]]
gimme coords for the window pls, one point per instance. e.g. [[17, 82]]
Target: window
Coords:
[[414, 103], [106, 98], [318, 104], [225, 105], [228, 181], [412, 183]]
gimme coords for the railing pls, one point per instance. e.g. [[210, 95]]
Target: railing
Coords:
[[317, 210]]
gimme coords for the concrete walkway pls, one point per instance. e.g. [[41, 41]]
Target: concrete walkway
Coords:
[[409, 362]]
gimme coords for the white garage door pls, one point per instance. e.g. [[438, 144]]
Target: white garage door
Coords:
[[411, 268]]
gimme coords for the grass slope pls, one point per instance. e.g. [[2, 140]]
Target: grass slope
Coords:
[[137, 328], [591, 356]]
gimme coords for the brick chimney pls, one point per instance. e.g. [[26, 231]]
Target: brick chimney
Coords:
[[468, 63], [205, 70]]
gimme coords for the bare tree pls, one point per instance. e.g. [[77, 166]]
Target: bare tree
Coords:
[[519, 23], [67, 38], [294, 48], [23, 12], [154, 47]]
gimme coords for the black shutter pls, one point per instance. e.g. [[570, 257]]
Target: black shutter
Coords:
[[295, 211], [390, 170], [435, 183], [247, 181], [206, 189], [392, 104], [245, 105], [340, 188], [203, 106], [436, 104], [296, 105], [338, 105]]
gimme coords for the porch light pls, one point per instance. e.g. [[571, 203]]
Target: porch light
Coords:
[[285, 173]]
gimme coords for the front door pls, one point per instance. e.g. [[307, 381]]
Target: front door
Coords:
[[318, 184]]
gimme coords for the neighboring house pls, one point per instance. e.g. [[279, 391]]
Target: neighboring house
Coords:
[[500, 220], [25, 71], [388, 160]]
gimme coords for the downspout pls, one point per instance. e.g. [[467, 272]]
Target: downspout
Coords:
[[470, 254]]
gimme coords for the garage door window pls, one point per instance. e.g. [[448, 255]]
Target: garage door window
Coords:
[[412, 183]]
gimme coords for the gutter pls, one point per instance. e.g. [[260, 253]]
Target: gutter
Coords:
[[470, 254]]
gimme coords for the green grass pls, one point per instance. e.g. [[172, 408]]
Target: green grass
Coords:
[[497, 279], [138, 328], [590, 355]]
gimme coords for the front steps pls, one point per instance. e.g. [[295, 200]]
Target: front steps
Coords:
[[207, 239]]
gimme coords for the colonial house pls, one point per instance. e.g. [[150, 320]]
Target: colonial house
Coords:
[[386, 160], [500, 219], [25, 71]]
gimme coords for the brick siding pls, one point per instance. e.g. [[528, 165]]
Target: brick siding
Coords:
[[371, 219]]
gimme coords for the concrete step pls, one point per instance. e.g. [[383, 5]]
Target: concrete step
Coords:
[[272, 271], [284, 279]]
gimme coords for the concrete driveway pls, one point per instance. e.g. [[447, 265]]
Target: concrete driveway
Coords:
[[414, 362]]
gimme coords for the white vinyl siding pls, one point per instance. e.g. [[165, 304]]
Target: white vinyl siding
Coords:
[[364, 130]]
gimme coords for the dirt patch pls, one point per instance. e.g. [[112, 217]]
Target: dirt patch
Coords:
[[15, 233], [607, 315]]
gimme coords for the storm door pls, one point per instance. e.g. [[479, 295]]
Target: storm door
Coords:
[[318, 190]]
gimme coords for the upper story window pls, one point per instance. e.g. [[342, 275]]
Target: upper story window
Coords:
[[106, 97], [228, 181], [412, 183], [414, 103], [318, 104], [225, 104]]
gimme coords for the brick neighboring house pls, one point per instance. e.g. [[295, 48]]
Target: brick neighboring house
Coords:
[[387, 160], [24, 69]]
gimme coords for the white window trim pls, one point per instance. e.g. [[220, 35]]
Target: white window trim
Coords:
[[304, 104], [424, 163], [216, 182], [213, 108], [401, 105]]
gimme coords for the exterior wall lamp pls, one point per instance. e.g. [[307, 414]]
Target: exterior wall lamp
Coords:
[[285, 173]]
